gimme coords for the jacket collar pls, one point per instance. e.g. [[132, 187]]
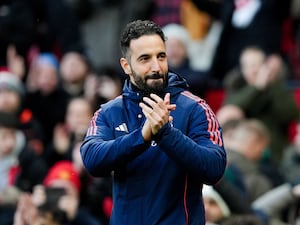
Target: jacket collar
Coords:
[[176, 84]]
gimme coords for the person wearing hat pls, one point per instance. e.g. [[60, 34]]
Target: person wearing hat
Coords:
[[45, 97], [13, 95], [20, 168], [177, 49], [216, 209], [12, 92], [59, 197]]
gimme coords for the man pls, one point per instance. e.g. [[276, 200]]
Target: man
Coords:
[[160, 142]]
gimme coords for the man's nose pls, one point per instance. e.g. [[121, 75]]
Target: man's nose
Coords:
[[155, 66]]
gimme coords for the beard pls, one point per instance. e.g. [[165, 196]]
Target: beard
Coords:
[[157, 86]]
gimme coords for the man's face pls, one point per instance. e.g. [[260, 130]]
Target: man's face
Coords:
[[147, 64], [251, 63]]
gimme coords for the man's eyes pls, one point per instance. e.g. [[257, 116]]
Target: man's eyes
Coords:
[[162, 56], [147, 58]]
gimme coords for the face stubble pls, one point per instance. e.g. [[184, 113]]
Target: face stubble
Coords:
[[153, 83]]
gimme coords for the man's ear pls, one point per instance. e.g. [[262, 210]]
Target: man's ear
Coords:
[[125, 65]]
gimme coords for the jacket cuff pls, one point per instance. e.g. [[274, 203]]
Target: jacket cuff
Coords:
[[165, 129]]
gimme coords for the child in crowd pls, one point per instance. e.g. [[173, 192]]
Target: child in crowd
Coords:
[[56, 201]]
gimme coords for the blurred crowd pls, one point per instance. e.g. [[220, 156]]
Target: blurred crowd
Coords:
[[59, 61]]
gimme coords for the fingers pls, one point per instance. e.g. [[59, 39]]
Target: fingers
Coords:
[[154, 108], [167, 99], [147, 110], [157, 111], [156, 102]]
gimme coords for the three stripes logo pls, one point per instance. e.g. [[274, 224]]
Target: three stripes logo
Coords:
[[122, 127]]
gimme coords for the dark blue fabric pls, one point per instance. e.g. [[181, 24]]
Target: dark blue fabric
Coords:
[[157, 182]]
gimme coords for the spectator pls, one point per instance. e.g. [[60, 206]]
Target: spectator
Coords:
[[20, 168], [225, 202], [103, 85], [228, 113], [259, 89], [249, 139], [216, 209], [9, 154], [177, 49], [74, 69], [27, 213], [254, 22], [45, 98], [12, 100], [203, 29], [12, 93], [70, 132], [64, 178], [229, 117]]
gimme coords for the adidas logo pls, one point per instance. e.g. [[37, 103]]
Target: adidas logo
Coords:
[[122, 127]]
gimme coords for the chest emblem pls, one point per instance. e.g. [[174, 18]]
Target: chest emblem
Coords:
[[122, 127]]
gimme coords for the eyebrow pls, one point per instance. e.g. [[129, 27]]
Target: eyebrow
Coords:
[[142, 56], [147, 55]]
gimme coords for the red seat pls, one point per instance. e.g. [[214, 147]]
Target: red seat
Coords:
[[215, 98]]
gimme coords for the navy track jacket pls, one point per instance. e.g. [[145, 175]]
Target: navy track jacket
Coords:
[[157, 182]]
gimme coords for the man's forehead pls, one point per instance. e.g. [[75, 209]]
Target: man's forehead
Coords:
[[146, 40], [147, 44]]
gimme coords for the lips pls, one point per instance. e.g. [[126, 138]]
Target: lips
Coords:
[[154, 76]]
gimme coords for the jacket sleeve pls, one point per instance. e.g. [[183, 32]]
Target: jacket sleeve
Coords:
[[102, 153], [275, 201], [201, 151]]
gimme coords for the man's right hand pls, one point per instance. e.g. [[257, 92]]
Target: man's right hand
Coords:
[[157, 112]]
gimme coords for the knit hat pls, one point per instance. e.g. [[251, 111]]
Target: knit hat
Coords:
[[9, 81], [210, 192], [63, 170], [177, 31], [49, 59]]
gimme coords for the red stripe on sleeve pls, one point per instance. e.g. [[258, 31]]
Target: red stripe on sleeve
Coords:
[[185, 202], [213, 125], [92, 130]]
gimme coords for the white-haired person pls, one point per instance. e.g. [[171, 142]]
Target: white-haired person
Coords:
[[216, 209], [179, 57]]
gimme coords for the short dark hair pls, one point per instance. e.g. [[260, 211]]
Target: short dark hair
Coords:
[[136, 29]]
